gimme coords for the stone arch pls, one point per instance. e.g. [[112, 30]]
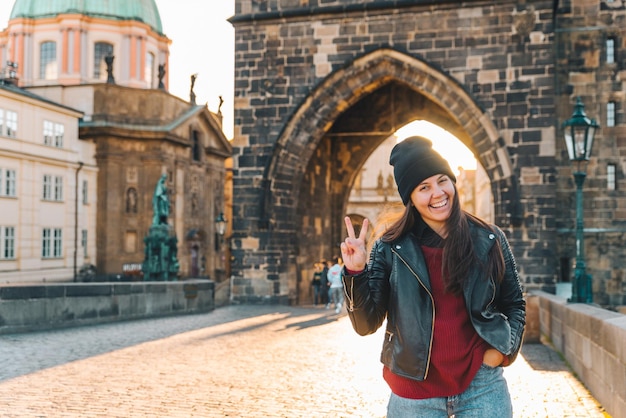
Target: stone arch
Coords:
[[300, 231], [314, 118]]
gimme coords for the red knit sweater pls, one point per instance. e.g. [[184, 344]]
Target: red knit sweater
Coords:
[[457, 351]]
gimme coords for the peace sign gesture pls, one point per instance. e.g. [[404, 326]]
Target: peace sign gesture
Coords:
[[353, 249]]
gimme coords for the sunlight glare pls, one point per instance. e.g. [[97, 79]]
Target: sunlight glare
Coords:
[[449, 146]]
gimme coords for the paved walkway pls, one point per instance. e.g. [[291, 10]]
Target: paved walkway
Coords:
[[237, 361]]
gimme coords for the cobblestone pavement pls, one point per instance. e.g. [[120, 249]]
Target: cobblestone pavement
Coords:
[[237, 361]]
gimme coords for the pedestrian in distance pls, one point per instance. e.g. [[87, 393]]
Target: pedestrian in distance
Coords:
[[325, 286], [316, 283], [336, 286], [446, 284]]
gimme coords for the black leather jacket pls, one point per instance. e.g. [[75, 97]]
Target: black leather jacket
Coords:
[[395, 286]]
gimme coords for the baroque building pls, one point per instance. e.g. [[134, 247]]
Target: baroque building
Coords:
[[46, 174], [108, 62]]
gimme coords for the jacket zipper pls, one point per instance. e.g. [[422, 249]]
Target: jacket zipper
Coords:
[[432, 324]]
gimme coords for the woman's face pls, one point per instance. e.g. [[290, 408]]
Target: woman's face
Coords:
[[433, 200]]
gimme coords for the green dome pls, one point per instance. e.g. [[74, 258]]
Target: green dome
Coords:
[[140, 10]]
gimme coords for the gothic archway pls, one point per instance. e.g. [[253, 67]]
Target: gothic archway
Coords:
[[327, 140]]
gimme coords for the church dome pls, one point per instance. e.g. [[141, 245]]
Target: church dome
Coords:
[[144, 11]]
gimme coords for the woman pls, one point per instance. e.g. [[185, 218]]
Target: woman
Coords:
[[447, 285]]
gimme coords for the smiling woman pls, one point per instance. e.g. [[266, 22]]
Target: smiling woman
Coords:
[[436, 257]]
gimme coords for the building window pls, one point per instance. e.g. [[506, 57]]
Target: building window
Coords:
[[8, 183], [85, 191], [53, 134], [83, 241], [48, 132], [148, 71], [47, 187], [610, 50], [52, 188], [52, 243], [58, 188], [101, 50], [59, 131], [610, 114], [195, 146], [610, 177], [7, 242], [48, 61], [11, 123]]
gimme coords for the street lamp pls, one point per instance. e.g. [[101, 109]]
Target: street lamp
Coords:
[[220, 224], [579, 133]]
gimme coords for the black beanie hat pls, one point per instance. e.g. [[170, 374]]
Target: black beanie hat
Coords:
[[413, 161]]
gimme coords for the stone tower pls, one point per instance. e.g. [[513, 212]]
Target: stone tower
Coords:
[[319, 85]]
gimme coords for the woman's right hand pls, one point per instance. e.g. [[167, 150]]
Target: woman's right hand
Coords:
[[353, 250]]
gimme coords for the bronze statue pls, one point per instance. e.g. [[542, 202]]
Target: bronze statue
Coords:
[[160, 261], [161, 202]]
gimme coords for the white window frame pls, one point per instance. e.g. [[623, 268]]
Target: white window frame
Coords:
[[53, 134], [52, 188], [11, 123], [47, 187], [48, 132], [57, 243], [7, 243], [58, 188], [52, 243], [46, 242], [8, 183], [59, 132]]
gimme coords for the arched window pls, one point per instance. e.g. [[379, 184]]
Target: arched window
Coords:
[[101, 50], [148, 71], [48, 60], [195, 146]]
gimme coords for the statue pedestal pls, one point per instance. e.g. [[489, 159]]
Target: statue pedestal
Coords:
[[160, 263]]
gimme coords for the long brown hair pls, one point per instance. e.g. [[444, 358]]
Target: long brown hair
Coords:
[[459, 255]]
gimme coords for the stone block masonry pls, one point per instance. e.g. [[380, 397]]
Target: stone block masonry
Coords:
[[26, 308]]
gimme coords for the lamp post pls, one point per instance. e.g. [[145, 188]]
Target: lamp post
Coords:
[[579, 133], [220, 230], [220, 224]]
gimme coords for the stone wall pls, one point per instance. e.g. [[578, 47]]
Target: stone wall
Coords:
[[592, 340], [48, 306], [319, 85]]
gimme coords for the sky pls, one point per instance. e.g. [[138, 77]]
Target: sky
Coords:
[[203, 44]]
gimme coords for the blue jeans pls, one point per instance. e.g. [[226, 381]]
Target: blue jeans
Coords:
[[336, 295], [486, 397]]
